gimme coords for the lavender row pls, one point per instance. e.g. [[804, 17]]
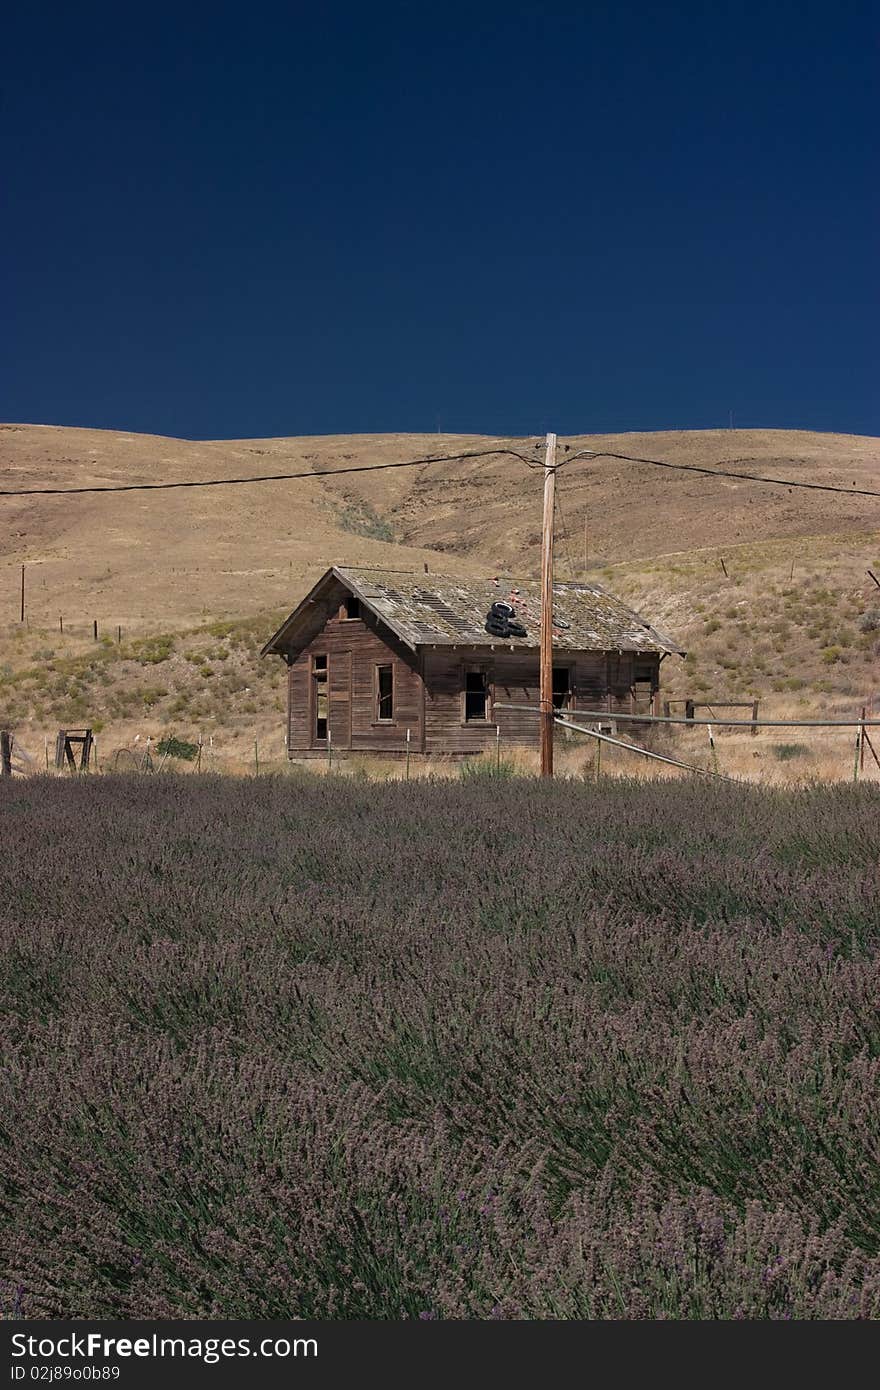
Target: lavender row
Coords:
[[308, 1048]]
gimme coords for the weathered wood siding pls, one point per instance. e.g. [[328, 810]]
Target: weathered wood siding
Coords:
[[428, 691], [354, 647], [598, 681]]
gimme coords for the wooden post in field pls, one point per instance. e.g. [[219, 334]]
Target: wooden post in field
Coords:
[[5, 753], [95, 628], [22, 593], [862, 740], [61, 624], [546, 676], [754, 718]]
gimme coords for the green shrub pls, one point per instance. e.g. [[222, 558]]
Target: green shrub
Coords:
[[174, 747], [479, 769], [150, 651]]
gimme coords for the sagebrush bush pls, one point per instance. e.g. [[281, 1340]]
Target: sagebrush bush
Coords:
[[311, 1048]]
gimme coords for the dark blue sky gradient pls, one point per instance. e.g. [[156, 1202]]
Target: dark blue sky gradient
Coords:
[[260, 220]]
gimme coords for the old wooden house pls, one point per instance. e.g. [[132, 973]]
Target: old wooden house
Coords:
[[375, 654]]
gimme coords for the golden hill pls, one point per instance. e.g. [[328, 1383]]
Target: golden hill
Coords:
[[163, 558], [789, 621]]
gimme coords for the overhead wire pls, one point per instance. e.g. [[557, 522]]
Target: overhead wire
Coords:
[[435, 458], [257, 478], [719, 472]]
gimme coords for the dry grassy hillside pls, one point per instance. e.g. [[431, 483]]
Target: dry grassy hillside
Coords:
[[791, 621]]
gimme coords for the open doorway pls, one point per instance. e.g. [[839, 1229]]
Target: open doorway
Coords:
[[561, 687]]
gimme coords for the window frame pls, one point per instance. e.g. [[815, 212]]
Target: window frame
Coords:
[[378, 722], [318, 675], [345, 616], [654, 672], [486, 670]]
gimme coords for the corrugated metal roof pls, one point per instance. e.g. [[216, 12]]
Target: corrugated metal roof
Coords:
[[444, 610]]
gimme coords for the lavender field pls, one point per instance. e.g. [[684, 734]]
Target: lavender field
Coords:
[[312, 1048]]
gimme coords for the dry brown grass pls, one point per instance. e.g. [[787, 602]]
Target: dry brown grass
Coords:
[[783, 625]]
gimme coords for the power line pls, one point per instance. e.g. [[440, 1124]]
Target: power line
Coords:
[[719, 473], [257, 478], [436, 458]]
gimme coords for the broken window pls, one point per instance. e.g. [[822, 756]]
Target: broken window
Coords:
[[561, 686], [644, 686], [351, 608], [320, 698], [384, 693], [644, 671], [476, 695]]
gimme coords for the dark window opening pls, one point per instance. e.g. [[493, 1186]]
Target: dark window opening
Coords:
[[644, 671], [476, 695], [385, 692], [351, 608], [644, 686], [320, 697], [561, 686]]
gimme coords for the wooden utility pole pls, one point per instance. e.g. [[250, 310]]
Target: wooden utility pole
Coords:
[[546, 680]]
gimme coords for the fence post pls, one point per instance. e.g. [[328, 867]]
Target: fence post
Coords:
[[754, 718], [95, 628], [5, 753], [862, 740], [688, 709], [408, 738]]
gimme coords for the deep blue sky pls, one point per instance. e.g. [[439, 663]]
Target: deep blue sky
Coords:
[[316, 218]]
